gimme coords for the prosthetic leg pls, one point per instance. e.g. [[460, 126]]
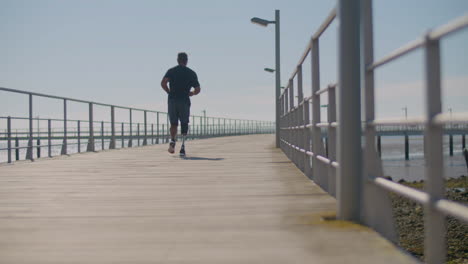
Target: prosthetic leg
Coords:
[[184, 131]]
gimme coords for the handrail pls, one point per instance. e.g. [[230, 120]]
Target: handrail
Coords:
[[328, 20], [449, 28], [72, 99], [149, 131], [302, 138]]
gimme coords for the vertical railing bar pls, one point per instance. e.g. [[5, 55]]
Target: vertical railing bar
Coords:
[[168, 134], [434, 250], [79, 136], [145, 140], [29, 153], [9, 138], [112, 143], [332, 141], [102, 135], [138, 134], [122, 133], [300, 113], [157, 128], [49, 138], [17, 154], [349, 131], [91, 146], [64, 150], [193, 128], [130, 139], [317, 167]]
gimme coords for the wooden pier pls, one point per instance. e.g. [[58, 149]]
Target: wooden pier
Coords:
[[232, 200]]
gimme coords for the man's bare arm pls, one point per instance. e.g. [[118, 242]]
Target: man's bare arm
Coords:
[[164, 82], [196, 91]]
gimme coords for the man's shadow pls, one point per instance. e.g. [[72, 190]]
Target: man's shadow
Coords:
[[201, 158]]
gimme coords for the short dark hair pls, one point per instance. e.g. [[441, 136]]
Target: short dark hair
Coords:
[[182, 57]]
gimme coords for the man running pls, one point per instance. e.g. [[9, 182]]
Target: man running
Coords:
[[181, 80]]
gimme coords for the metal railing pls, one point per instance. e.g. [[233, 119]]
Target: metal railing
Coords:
[[352, 169], [108, 134]]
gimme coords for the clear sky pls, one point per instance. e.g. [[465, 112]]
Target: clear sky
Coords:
[[117, 51]]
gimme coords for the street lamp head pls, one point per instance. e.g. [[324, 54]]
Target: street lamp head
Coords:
[[261, 22], [269, 70]]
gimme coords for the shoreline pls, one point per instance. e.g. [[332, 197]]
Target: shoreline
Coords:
[[409, 222]]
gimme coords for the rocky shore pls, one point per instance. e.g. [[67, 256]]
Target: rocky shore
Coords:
[[408, 217]]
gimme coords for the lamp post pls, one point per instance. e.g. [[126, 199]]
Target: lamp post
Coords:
[[263, 22]]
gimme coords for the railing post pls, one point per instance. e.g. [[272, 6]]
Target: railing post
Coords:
[[112, 142], [379, 145], [235, 127], [192, 128], [130, 139], [286, 121], [17, 156], [434, 250], [29, 153], [292, 132], [306, 143], [332, 141], [145, 139], [318, 172], [9, 138], [138, 133], [349, 130], [122, 133], [38, 140], [200, 129], [49, 138], [300, 117], [168, 135], [289, 124], [406, 146], [79, 136], [451, 144], [64, 150], [152, 134], [157, 128], [102, 135], [91, 146], [280, 131]]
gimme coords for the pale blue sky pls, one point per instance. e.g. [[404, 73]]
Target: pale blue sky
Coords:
[[117, 52]]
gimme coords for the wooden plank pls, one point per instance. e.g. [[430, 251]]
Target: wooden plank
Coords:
[[233, 200]]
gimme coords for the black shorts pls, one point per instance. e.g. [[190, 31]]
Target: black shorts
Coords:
[[178, 110]]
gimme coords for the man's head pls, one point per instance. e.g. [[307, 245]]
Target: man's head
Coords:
[[182, 58]]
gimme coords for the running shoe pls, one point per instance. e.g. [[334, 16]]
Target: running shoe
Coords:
[[171, 147], [182, 151]]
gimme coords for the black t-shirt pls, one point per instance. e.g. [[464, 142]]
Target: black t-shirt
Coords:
[[181, 80]]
